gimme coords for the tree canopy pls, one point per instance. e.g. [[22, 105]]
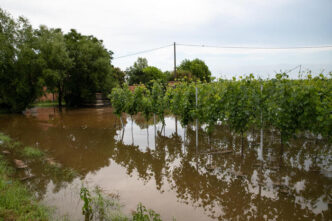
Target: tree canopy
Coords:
[[73, 65], [197, 68], [20, 63], [142, 73], [91, 71]]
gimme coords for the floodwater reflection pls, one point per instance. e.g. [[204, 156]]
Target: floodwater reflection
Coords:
[[176, 171]]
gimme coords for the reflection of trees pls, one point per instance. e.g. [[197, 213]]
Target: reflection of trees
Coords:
[[73, 139], [230, 190], [238, 185]]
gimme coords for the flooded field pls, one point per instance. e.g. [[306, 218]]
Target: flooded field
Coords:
[[174, 172]]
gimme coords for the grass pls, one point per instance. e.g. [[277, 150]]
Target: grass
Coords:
[[16, 202], [31, 152], [47, 104], [4, 139], [7, 142]]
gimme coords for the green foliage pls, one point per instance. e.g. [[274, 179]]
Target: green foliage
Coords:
[[118, 100], [141, 73], [283, 107], [238, 105], [86, 197], [132, 101], [57, 63], [152, 73], [211, 104], [4, 139], [118, 75], [287, 105], [7, 142], [32, 152], [143, 214], [182, 102], [135, 73], [158, 100], [197, 68], [21, 80], [144, 102], [73, 65], [183, 75], [91, 71], [98, 206]]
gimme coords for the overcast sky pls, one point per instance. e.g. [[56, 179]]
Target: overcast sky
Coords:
[[130, 26]]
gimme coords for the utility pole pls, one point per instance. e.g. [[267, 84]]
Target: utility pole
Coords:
[[174, 60]]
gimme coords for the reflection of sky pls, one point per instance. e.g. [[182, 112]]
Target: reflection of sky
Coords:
[[131, 26], [144, 138]]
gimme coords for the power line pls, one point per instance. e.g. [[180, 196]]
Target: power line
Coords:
[[256, 48], [298, 66], [142, 52], [226, 47]]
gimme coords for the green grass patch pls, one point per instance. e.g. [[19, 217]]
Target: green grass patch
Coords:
[[4, 139], [32, 152], [47, 104], [16, 202], [7, 142]]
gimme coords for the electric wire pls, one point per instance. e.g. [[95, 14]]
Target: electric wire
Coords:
[[225, 47], [142, 52], [256, 48]]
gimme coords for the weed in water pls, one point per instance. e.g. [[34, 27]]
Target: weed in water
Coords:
[[32, 152], [97, 206], [143, 214], [86, 197]]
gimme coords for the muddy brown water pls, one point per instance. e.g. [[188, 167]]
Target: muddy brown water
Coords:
[[169, 172]]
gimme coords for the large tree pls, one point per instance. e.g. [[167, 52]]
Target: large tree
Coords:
[[197, 68], [142, 73], [118, 75], [135, 74], [20, 64], [57, 62], [91, 71]]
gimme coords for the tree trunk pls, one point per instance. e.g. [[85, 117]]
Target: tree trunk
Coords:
[[241, 143], [60, 98], [281, 150], [121, 121], [176, 125]]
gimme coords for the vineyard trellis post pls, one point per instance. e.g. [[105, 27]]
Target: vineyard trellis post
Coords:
[[154, 123], [261, 137], [196, 118]]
